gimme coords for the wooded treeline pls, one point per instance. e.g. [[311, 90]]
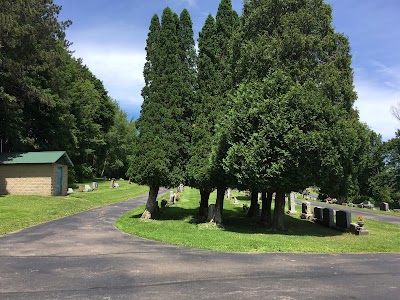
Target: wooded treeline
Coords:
[[266, 105], [50, 100]]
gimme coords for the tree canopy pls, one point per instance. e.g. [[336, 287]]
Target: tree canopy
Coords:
[[48, 99]]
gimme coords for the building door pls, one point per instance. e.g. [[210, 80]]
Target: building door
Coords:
[[59, 180]]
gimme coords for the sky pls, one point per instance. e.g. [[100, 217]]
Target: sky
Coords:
[[110, 36]]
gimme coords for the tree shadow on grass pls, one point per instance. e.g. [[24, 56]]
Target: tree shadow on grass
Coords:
[[236, 221], [172, 213], [294, 226]]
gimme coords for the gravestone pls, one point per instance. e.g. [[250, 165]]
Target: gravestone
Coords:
[[353, 228], [306, 210], [211, 209], [95, 186], [180, 188], [343, 220], [358, 230], [172, 197], [112, 182], [70, 191], [292, 204], [384, 206], [328, 217], [318, 214], [87, 188], [164, 203], [229, 194], [235, 201]]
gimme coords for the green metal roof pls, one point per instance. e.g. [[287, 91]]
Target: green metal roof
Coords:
[[44, 157]]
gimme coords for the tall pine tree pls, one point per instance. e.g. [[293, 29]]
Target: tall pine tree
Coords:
[[204, 114], [160, 155], [227, 21]]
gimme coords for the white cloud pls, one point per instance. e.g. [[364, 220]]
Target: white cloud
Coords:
[[188, 2], [374, 104], [378, 91], [120, 70]]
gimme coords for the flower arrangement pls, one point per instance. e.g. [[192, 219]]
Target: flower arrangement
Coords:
[[360, 219]]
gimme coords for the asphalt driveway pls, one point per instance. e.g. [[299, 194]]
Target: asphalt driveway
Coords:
[[85, 257]]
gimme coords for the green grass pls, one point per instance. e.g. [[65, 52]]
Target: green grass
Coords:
[[17, 212], [178, 225], [313, 190]]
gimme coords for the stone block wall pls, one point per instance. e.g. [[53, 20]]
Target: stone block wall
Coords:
[[26, 179]]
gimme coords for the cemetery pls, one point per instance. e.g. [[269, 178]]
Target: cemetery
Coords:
[[319, 230]]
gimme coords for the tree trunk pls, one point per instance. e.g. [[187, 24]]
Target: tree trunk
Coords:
[[279, 211], [254, 210], [219, 205], [104, 166], [151, 211], [204, 197], [266, 198]]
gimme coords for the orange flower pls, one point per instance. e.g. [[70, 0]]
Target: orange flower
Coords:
[[360, 218]]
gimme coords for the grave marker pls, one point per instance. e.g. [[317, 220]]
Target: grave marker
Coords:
[[343, 220], [306, 210], [292, 204], [318, 214], [328, 217], [384, 206]]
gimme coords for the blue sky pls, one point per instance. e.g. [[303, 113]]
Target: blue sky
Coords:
[[110, 37]]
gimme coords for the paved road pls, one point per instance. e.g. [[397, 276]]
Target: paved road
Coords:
[[85, 257], [367, 213]]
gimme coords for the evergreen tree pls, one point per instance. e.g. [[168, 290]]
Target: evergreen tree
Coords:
[[214, 82], [226, 22], [160, 154], [292, 124], [204, 114]]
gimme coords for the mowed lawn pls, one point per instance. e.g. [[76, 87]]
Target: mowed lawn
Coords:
[[17, 212], [178, 225]]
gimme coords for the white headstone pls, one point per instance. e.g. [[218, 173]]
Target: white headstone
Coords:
[[229, 194], [292, 204]]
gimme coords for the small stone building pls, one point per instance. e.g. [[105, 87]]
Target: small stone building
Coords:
[[34, 173]]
